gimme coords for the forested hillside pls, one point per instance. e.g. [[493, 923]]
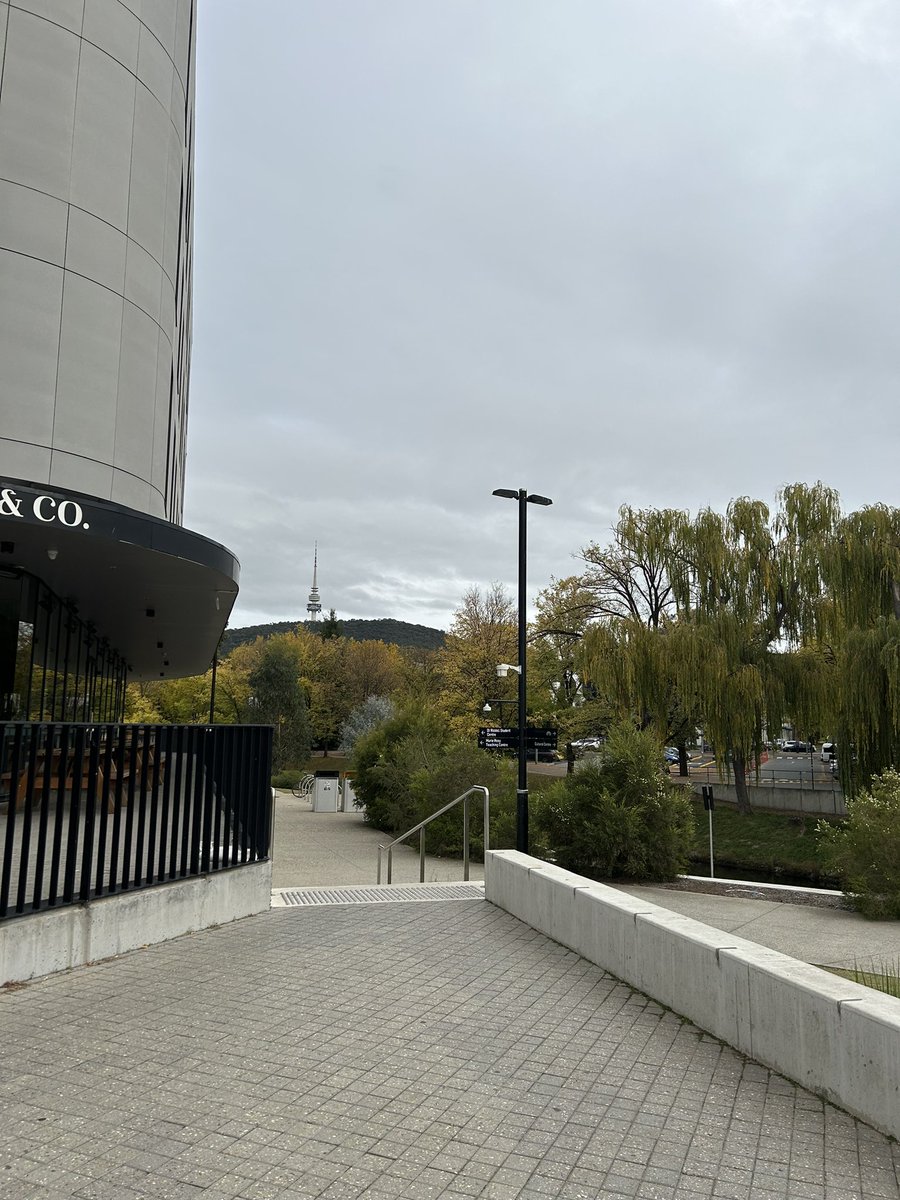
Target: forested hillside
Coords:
[[397, 633]]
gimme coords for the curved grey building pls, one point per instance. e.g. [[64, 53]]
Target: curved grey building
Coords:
[[96, 155]]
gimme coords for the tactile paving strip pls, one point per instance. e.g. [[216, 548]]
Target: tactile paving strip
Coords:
[[378, 894]]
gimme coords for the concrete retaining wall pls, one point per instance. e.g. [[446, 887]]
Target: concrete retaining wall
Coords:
[[835, 1037], [826, 801], [58, 939]]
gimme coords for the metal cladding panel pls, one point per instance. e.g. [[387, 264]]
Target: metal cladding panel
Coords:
[[96, 230]]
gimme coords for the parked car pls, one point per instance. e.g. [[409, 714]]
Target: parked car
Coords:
[[587, 744], [798, 747], [671, 756]]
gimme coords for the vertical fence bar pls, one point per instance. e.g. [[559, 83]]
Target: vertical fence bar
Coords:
[[422, 855], [233, 796], [140, 770], [245, 776], [190, 803], [151, 765], [262, 790], [9, 840], [131, 774], [90, 813], [61, 774], [218, 798], [34, 761], [77, 774], [179, 801], [50, 737], [208, 784], [104, 804], [162, 783], [115, 850]]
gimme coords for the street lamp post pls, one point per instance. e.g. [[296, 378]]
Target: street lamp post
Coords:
[[523, 498], [488, 705]]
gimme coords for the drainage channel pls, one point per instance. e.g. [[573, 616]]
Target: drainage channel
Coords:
[[377, 894]]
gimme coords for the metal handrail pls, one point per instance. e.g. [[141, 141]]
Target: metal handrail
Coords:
[[420, 830]]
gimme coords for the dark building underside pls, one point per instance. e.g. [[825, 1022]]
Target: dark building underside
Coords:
[[99, 591]]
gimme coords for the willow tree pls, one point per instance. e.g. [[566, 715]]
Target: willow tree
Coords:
[[626, 652], [748, 591], [629, 578], [704, 617], [861, 625]]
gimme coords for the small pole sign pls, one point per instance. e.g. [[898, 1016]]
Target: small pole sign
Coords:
[[708, 805]]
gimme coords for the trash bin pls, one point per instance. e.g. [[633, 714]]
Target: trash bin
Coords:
[[326, 791], [348, 796]]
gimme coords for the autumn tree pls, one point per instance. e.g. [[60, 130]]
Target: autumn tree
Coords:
[[277, 699], [483, 634], [562, 695]]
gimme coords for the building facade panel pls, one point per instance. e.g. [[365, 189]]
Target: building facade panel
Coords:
[[103, 141], [113, 28], [37, 103], [32, 223], [96, 250], [96, 128], [30, 312], [96, 154], [69, 14]]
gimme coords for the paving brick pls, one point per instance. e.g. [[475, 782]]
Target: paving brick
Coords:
[[395, 1052]]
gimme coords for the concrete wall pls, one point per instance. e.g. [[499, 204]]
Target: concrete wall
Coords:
[[59, 939], [837, 1038], [96, 132], [817, 802]]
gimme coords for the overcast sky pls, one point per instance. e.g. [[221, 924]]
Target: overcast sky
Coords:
[[613, 251]]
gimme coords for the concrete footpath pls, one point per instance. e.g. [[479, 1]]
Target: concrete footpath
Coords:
[[323, 849], [400, 1049]]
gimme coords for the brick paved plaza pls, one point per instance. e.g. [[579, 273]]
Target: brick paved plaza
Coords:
[[394, 1050]]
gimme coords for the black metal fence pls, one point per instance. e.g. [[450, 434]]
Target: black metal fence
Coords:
[[92, 810]]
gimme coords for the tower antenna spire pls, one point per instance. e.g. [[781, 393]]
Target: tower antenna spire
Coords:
[[314, 604]]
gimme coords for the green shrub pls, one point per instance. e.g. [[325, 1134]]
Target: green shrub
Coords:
[[409, 767], [621, 817], [864, 852], [285, 780]]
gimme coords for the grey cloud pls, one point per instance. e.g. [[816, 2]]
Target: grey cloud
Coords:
[[614, 253]]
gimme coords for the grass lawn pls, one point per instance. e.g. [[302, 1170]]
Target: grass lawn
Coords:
[[762, 842], [887, 979]]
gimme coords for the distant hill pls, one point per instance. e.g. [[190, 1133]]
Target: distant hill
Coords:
[[397, 633]]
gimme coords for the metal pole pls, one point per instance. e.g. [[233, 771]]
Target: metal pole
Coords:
[[712, 870], [522, 789], [212, 692]]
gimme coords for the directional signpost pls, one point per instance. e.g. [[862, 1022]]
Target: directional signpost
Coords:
[[501, 738]]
